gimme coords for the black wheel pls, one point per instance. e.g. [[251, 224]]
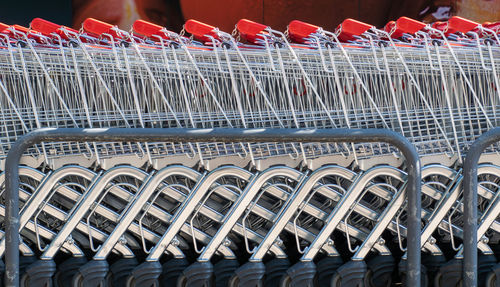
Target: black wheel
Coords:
[[109, 280], [440, 281], [92, 273], [491, 280], [349, 274], [131, 282], [120, 270], [437, 279], [432, 264], [66, 271], [336, 280], [234, 281], [326, 268], [285, 281], [379, 271], [77, 280], [486, 264], [38, 274], [223, 270], [172, 269], [450, 274], [370, 282], [26, 281], [24, 263], [275, 270], [183, 282]]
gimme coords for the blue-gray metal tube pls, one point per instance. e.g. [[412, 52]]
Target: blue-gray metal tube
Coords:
[[209, 135], [470, 204]]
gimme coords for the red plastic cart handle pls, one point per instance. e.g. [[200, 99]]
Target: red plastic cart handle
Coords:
[[459, 24], [200, 30], [350, 28], [47, 28], [93, 26], [299, 31], [250, 30], [3, 27], [148, 29], [405, 25], [43, 26]]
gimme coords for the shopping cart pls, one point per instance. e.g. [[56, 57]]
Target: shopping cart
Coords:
[[244, 213]]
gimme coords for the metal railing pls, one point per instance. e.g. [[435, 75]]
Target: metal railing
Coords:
[[210, 135], [470, 204]]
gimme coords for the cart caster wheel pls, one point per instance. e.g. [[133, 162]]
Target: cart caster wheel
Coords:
[[300, 274], [379, 273], [146, 274], [491, 280], [132, 282], [25, 262], [325, 269], [223, 270], [439, 281], [93, 273], [234, 281], [286, 281], [182, 281], [198, 274], [493, 275], [66, 270], [250, 274], [486, 264], [337, 281], [350, 274], [275, 270], [39, 274], [432, 264], [120, 270], [450, 274], [79, 281], [172, 270]]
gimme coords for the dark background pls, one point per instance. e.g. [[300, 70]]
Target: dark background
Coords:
[[23, 11]]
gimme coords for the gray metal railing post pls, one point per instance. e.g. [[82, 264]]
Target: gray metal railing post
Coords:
[[210, 135], [470, 204]]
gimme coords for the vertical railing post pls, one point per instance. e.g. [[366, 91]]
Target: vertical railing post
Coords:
[[470, 204], [210, 135]]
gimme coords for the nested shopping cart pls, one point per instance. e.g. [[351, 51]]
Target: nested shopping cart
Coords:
[[248, 213]]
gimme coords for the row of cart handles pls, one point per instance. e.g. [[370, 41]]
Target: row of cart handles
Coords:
[[400, 31]]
